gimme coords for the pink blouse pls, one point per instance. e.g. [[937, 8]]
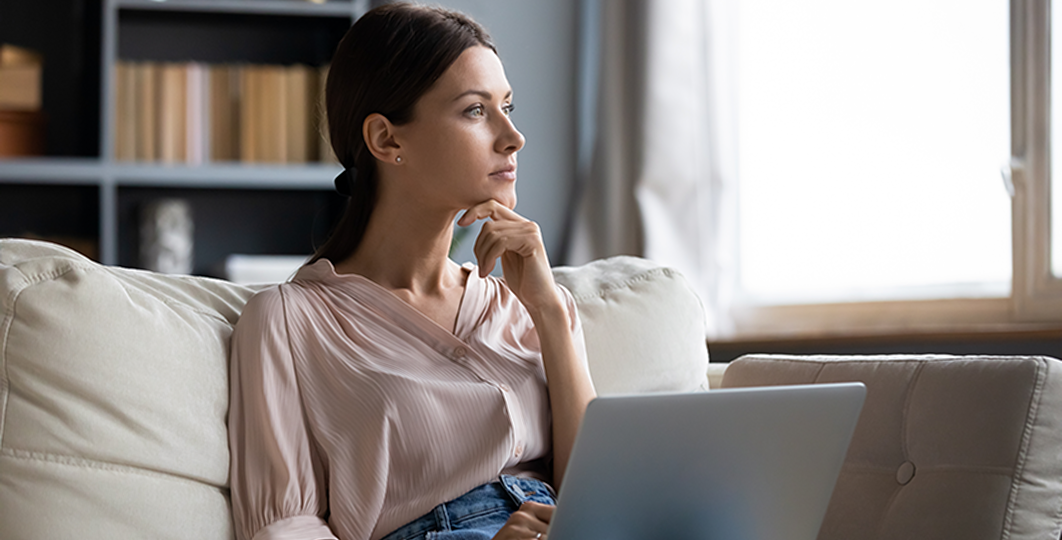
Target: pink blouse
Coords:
[[349, 405]]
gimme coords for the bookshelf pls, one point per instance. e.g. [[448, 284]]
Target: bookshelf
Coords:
[[238, 206]]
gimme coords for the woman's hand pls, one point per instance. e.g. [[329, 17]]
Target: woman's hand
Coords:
[[518, 242], [530, 521]]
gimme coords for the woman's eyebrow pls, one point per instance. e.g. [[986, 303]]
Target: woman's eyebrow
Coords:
[[482, 93]]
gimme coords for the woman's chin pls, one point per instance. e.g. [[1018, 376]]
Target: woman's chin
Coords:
[[508, 196], [504, 197], [508, 201]]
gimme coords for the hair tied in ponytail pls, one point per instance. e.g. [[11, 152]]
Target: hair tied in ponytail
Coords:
[[345, 181]]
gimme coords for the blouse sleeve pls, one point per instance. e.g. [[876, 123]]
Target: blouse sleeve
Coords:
[[576, 326], [277, 479]]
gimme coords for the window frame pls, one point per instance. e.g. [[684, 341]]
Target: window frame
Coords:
[[1036, 294]]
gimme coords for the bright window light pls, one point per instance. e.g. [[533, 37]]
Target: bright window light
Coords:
[[1056, 142], [871, 137]]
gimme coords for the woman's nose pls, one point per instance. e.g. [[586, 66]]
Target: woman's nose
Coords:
[[510, 139]]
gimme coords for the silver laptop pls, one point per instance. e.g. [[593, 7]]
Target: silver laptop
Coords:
[[734, 464]]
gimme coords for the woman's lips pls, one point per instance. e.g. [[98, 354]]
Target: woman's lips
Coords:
[[507, 174]]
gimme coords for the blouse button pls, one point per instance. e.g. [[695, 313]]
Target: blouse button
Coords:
[[459, 353], [518, 451]]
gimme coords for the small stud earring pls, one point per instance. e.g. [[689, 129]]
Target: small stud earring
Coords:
[[398, 159]]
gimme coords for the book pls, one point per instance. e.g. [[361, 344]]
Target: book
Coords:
[[224, 109], [301, 100], [273, 116], [10, 55], [125, 111], [173, 116], [250, 98], [197, 134], [146, 111], [20, 78], [21, 133]]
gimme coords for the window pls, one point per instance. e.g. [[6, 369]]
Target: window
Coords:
[[871, 141], [1056, 149]]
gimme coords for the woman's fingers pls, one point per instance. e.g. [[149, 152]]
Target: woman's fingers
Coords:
[[505, 231], [496, 238], [530, 521], [488, 209], [542, 512]]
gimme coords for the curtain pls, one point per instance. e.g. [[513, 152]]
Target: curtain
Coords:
[[657, 142], [606, 220]]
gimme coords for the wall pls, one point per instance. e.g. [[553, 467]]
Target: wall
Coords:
[[537, 43]]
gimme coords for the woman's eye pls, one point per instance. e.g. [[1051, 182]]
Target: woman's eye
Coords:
[[509, 108], [476, 111]]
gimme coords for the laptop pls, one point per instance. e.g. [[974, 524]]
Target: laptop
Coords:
[[735, 464]]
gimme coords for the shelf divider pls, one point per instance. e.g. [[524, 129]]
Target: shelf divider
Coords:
[[305, 8], [108, 241], [233, 175], [52, 170], [228, 175]]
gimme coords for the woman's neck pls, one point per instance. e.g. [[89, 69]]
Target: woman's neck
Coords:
[[406, 249]]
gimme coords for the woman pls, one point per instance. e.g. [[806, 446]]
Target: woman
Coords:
[[387, 392]]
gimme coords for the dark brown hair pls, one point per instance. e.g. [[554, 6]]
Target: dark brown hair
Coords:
[[387, 60]]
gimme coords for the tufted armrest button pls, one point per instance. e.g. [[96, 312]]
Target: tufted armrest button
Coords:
[[905, 473]]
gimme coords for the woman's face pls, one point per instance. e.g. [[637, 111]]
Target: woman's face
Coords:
[[460, 148]]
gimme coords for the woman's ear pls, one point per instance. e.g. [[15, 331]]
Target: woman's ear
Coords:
[[379, 134]]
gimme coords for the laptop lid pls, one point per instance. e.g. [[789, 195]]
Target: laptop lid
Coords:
[[736, 464]]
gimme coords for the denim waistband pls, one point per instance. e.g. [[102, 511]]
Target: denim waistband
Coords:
[[485, 508]]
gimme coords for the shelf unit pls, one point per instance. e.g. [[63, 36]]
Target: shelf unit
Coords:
[[286, 190]]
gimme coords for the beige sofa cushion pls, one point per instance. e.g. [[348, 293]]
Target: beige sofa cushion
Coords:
[[114, 389], [113, 400], [644, 326], [946, 447]]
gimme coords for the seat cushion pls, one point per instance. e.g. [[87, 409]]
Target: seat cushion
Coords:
[[113, 399], [946, 447]]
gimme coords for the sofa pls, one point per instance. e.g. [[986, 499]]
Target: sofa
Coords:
[[114, 394]]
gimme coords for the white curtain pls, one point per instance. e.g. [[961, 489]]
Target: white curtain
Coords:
[[657, 178]]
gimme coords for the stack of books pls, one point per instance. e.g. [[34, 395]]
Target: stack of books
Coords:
[[21, 118], [195, 113], [20, 78]]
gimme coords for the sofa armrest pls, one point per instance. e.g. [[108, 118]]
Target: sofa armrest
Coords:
[[946, 446], [716, 371]]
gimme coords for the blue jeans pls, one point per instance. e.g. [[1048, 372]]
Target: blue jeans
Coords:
[[478, 514]]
